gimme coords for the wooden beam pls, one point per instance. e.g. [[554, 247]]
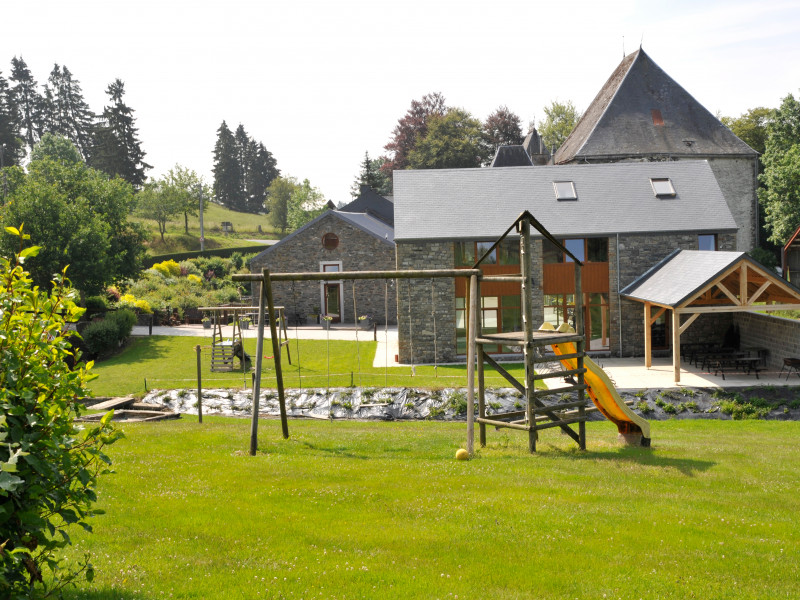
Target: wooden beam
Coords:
[[473, 314], [655, 317], [676, 345], [341, 275], [759, 291], [728, 308], [728, 293], [743, 284], [689, 321], [648, 337]]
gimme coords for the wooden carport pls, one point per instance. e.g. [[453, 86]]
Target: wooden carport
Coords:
[[693, 282]]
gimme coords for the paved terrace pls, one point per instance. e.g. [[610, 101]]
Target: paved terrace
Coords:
[[626, 373]]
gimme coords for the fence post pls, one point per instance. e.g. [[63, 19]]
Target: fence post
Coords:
[[199, 387]]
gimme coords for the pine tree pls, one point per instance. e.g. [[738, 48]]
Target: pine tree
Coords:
[[244, 153], [10, 141], [28, 102], [67, 113], [227, 172], [260, 175], [372, 176], [116, 149]]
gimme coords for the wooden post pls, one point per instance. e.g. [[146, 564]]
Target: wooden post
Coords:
[[473, 313], [527, 325], [648, 337], [276, 352], [481, 377], [199, 386], [259, 359], [579, 321], [581, 347], [676, 344]]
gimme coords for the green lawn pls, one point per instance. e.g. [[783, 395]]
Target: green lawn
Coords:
[[169, 362], [382, 510]]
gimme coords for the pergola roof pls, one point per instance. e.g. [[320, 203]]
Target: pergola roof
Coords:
[[695, 281]]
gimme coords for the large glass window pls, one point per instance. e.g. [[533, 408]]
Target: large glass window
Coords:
[[560, 308], [464, 254], [481, 249], [509, 252], [575, 246]]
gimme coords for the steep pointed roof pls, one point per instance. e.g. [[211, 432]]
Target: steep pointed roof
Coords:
[[642, 111]]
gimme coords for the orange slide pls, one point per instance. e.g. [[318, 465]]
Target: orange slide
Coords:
[[601, 390]]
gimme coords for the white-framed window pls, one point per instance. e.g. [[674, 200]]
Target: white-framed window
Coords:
[[331, 293], [662, 187], [565, 190]]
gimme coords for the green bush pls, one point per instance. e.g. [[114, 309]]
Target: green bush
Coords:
[[106, 335], [96, 304], [48, 466]]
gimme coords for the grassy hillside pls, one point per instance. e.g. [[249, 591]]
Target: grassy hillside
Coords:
[[245, 226]]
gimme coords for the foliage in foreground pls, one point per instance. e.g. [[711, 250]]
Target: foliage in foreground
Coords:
[[48, 467]]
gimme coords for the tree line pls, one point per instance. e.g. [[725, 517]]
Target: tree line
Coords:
[[433, 135], [107, 141]]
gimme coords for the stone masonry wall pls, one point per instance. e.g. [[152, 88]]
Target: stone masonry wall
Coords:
[[780, 336], [357, 251], [637, 254], [737, 180], [414, 298]]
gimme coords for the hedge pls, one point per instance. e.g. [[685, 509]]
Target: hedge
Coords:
[[149, 261]]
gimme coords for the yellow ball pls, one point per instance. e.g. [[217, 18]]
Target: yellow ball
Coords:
[[462, 454]]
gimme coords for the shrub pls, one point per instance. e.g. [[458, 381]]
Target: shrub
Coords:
[[106, 335], [194, 278], [49, 466], [95, 304], [168, 268]]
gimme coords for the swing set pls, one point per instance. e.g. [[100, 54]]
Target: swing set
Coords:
[[537, 415]]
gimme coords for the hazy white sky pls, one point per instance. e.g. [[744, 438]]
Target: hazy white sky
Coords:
[[320, 82]]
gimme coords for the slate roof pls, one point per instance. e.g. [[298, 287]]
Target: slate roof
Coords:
[[511, 156], [680, 275], [620, 121], [370, 201], [480, 204], [366, 223]]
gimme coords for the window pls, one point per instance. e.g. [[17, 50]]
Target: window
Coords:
[[464, 254], [482, 248], [662, 187], [565, 190], [330, 241], [707, 242], [576, 247]]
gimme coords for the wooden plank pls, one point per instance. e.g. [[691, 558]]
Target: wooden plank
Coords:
[[509, 415], [508, 377], [759, 291], [561, 406], [499, 424], [728, 293], [562, 390], [562, 423], [555, 374], [114, 403], [648, 337], [676, 346], [473, 313], [728, 308], [689, 321]]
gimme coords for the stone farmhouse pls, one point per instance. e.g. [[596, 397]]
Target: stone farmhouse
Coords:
[[356, 237]]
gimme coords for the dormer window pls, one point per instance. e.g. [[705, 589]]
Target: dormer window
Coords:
[[662, 187], [565, 190]]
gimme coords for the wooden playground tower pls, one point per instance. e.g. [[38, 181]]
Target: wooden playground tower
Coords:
[[537, 415]]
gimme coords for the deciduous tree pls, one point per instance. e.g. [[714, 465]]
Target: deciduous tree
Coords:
[[160, 202], [410, 128], [454, 140], [306, 203], [751, 127], [560, 120], [279, 195], [503, 128], [780, 194]]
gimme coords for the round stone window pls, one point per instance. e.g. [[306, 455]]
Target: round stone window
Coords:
[[330, 241]]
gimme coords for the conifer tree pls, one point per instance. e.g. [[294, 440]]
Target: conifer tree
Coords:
[[10, 142], [28, 102], [372, 176], [116, 149], [227, 172], [260, 175], [66, 112]]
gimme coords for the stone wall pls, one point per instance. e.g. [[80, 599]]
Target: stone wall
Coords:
[[357, 251], [428, 309], [736, 176], [780, 336], [637, 254]]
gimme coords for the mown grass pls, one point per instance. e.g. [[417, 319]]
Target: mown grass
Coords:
[[169, 362], [382, 510]]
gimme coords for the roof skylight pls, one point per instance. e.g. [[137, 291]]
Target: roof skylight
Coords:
[[565, 190], [662, 187]]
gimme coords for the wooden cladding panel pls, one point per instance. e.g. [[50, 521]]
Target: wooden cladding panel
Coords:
[[559, 278]]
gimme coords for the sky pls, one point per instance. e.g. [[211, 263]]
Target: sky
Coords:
[[322, 82]]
